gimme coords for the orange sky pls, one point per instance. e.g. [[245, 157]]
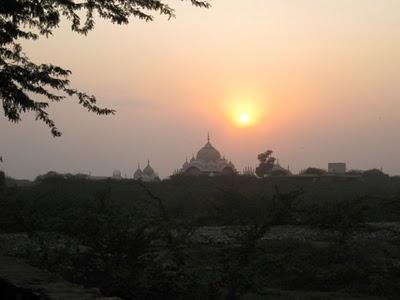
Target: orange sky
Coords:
[[324, 76]]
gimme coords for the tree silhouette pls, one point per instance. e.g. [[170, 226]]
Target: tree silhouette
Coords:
[[313, 171], [266, 163], [22, 81]]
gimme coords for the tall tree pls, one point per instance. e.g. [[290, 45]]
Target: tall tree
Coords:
[[23, 82], [267, 162]]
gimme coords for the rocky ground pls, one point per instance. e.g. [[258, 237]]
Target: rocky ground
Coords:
[[369, 231], [19, 244], [21, 276]]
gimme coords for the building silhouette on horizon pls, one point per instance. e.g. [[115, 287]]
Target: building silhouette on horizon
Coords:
[[208, 162], [147, 174]]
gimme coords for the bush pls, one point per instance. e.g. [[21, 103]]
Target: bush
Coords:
[[374, 174], [313, 171], [341, 216]]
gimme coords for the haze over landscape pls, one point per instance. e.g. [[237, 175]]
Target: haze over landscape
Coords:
[[319, 80]]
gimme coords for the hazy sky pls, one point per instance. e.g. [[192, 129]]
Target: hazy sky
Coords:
[[321, 77]]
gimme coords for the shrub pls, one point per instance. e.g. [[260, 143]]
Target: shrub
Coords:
[[313, 171]]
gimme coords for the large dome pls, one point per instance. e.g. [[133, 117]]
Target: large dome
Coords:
[[208, 162], [208, 153]]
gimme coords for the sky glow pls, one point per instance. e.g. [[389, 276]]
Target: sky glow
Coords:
[[318, 79]]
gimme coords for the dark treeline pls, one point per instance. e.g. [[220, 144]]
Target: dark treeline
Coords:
[[136, 240]]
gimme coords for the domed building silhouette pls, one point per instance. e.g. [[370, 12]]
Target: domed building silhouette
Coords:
[[278, 170], [147, 175], [209, 162]]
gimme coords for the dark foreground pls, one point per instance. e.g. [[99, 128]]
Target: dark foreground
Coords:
[[220, 238]]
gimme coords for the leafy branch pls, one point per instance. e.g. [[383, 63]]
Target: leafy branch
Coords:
[[24, 83]]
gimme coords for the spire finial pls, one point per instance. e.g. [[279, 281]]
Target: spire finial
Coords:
[[148, 162], [138, 166], [208, 137]]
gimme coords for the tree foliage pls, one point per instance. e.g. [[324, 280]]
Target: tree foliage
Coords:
[[374, 173], [267, 162], [26, 86], [313, 171]]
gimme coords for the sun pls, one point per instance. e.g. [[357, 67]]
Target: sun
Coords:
[[244, 110], [245, 114], [244, 119]]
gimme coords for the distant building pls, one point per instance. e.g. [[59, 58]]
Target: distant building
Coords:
[[208, 162], [337, 168], [117, 174], [278, 170], [147, 175], [249, 171]]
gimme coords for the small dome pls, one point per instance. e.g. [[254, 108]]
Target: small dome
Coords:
[[278, 169], [138, 173], [148, 170]]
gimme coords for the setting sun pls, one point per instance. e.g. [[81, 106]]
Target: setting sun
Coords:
[[244, 119], [245, 114], [244, 111]]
